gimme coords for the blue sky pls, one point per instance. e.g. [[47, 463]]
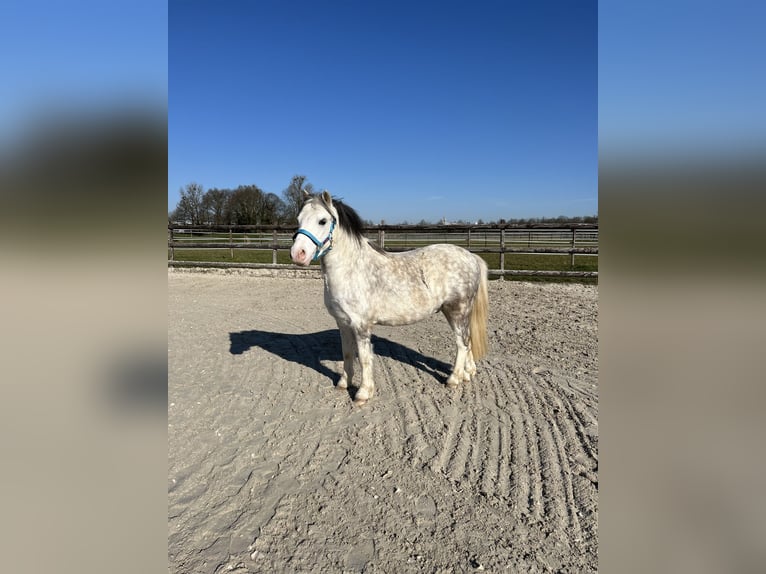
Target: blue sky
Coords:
[[407, 110]]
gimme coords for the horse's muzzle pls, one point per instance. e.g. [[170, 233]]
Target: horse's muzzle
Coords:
[[299, 255]]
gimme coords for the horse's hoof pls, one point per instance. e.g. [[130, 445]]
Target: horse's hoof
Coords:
[[453, 382], [361, 396], [360, 402], [342, 385]]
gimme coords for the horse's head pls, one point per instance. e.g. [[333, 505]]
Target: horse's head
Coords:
[[316, 223]]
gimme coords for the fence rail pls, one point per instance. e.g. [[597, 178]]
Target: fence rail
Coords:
[[533, 239]]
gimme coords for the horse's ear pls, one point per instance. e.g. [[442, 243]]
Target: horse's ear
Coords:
[[327, 198], [306, 194]]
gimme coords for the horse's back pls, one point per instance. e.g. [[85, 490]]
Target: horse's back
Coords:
[[449, 271]]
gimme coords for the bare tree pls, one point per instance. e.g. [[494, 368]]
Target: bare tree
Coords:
[[246, 205], [293, 197], [214, 205], [273, 208], [190, 205]]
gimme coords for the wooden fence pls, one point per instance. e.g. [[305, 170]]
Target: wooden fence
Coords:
[[538, 239]]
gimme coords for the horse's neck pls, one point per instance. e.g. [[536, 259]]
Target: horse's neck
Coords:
[[348, 258]]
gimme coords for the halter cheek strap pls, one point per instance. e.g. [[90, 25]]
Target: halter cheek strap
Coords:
[[321, 250]]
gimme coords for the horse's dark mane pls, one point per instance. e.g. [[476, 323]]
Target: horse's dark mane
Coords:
[[349, 220]]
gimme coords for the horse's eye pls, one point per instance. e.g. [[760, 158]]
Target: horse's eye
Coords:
[[322, 221]]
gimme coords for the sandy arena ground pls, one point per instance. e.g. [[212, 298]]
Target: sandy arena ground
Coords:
[[272, 469]]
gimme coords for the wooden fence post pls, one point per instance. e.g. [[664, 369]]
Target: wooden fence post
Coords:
[[382, 238], [502, 253], [469, 238], [571, 261], [274, 248], [172, 249], [231, 244]]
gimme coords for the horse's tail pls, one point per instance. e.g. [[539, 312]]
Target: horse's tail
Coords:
[[478, 329]]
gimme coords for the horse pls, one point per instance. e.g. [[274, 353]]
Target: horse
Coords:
[[365, 285]]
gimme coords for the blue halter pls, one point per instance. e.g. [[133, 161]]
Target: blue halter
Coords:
[[320, 244]]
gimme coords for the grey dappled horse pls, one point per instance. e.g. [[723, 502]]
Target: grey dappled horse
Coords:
[[365, 286]]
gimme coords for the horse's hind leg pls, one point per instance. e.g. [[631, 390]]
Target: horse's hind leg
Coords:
[[464, 365], [348, 343], [470, 365]]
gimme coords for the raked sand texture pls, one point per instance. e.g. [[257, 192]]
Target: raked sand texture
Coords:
[[272, 469]]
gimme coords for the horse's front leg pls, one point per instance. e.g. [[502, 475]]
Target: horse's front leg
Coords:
[[348, 343], [364, 348]]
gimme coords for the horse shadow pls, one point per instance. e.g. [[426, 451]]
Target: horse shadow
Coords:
[[311, 349]]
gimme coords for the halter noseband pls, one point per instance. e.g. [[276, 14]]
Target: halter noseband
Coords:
[[320, 244]]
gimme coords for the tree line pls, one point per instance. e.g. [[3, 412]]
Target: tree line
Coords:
[[250, 205], [512, 220], [244, 205]]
